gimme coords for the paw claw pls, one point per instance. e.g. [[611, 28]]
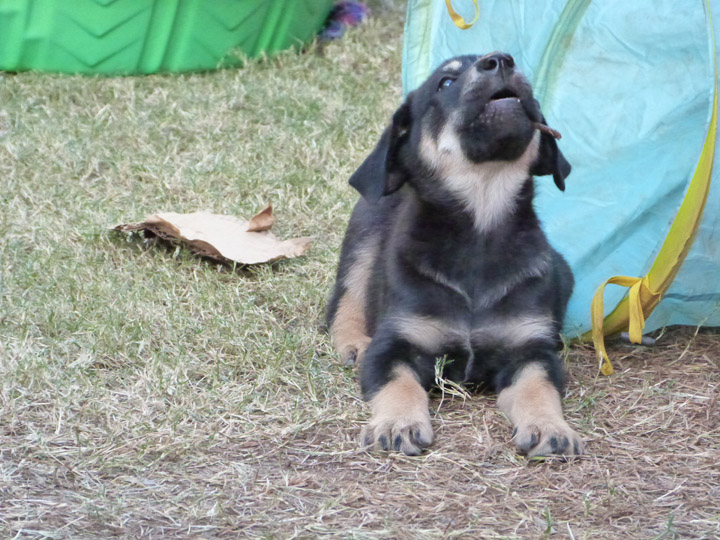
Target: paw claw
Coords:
[[400, 416], [534, 439], [399, 435], [367, 440], [547, 437], [420, 440], [352, 353], [383, 442], [350, 358], [554, 446]]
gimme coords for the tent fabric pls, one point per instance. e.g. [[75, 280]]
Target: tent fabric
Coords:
[[630, 85]]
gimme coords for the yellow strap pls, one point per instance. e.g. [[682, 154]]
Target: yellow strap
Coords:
[[639, 289], [458, 20]]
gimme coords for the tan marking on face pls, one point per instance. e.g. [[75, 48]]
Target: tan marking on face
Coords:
[[428, 333], [452, 65], [349, 327], [488, 190], [513, 331], [532, 404], [400, 414]]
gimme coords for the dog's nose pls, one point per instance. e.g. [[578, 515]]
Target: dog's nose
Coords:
[[496, 61]]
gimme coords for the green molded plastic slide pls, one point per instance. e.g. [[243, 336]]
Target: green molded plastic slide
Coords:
[[148, 36]]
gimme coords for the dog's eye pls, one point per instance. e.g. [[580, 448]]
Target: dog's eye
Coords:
[[445, 82]]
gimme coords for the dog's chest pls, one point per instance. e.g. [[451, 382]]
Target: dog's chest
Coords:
[[482, 276], [497, 284]]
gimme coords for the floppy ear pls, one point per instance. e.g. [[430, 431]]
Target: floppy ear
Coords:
[[550, 160], [382, 173]]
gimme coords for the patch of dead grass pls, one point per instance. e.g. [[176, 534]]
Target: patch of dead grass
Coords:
[[266, 471]]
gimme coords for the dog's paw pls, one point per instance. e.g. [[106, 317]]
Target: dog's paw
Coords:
[[352, 353], [408, 434], [400, 416], [546, 437]]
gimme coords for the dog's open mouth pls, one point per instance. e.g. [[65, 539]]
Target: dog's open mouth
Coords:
[[503, 94], [500, 106]]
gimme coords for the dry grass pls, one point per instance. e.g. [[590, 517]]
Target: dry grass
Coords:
[[146, 393]]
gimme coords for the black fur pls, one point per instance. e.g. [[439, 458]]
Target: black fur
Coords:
[[432, 259]]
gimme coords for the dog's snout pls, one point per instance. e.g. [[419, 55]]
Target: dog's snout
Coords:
[[497, 61]]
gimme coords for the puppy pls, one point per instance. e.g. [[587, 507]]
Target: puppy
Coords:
[[444, 257]]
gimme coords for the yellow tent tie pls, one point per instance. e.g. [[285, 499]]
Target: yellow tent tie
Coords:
[[639, 288], [458, 20]]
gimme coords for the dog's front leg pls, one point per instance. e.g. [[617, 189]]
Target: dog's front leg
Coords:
[[399, 402], [532, 403]]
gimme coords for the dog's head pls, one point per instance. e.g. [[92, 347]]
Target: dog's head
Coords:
[[475, 117]]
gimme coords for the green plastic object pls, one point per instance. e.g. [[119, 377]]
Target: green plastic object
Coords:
[[116, 37]]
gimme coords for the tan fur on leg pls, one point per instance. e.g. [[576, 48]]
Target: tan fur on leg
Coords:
[[532, 403], [349, 328], [400, 417]]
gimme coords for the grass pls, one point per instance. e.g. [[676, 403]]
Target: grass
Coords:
[[147, 393]]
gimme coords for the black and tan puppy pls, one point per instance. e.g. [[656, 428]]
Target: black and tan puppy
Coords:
[[444, 257]]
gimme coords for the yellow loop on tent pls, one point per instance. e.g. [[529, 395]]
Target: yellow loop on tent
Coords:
[[458, 20], [639, 289]]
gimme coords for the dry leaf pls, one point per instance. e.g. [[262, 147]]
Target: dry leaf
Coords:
[[263, 221], [223, 238]]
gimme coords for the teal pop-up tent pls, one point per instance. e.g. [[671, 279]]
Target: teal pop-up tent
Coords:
[[632, 88]]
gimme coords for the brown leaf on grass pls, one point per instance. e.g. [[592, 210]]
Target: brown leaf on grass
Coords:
[[263, 221], [223, 238]]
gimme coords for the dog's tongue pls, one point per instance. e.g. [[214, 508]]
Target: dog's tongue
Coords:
[[504, 103], [505, 99]]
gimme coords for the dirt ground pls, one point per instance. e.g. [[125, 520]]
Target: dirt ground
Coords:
[[651, 469]]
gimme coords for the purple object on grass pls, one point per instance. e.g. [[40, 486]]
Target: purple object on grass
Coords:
[[342, 16]]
